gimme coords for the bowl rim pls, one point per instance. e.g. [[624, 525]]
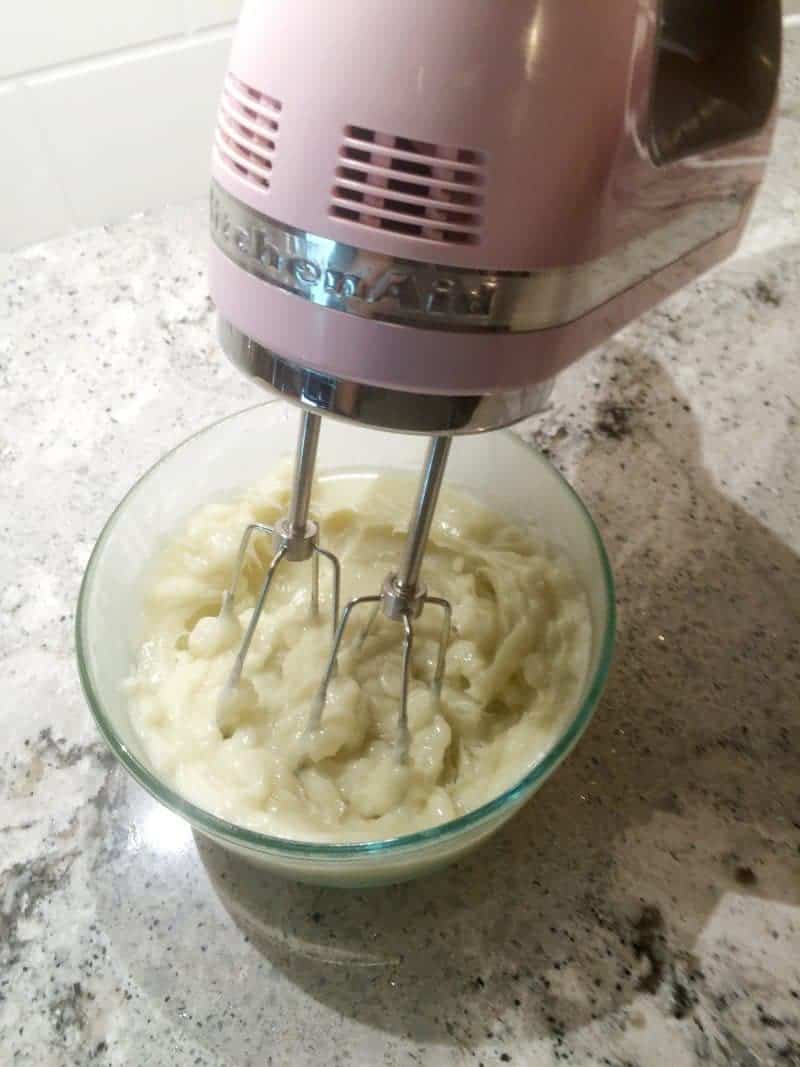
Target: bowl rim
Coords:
[[254, 840]]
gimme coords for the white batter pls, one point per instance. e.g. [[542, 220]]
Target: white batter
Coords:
[[516, 664]]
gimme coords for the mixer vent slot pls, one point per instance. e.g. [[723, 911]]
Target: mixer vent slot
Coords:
[[410, 187], [247, 128]]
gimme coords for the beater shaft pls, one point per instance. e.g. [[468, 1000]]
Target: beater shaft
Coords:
[[420, 526], [305, 462]]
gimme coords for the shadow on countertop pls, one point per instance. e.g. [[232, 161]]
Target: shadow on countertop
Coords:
[[685, 786]]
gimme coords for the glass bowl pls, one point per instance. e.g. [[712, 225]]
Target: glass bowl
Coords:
[[236, 453]]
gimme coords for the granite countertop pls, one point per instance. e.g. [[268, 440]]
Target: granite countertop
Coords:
[[643, 909]]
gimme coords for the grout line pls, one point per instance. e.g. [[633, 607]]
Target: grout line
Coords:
[[175, 42], [190, 27]]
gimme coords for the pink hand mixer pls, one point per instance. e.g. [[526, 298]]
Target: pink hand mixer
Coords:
[[422, 210]]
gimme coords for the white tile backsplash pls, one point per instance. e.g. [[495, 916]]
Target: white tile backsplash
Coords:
[[133, 133], [32, 205], [43, 33], [106, 108]]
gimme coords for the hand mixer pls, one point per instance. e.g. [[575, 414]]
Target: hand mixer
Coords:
[[422, 211]]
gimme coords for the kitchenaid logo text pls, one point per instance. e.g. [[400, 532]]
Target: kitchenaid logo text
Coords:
[[285, 259]]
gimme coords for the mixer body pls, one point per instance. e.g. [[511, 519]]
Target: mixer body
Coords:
[[421, 212]]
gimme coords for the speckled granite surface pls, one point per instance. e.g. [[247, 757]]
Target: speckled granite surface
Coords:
[[644, 909]]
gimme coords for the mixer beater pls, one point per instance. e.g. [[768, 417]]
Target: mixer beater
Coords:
[[295, 538], [402, 599], [403, 596]]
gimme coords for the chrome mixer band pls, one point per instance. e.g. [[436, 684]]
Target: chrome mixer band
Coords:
[[430, 296], [371, 405]]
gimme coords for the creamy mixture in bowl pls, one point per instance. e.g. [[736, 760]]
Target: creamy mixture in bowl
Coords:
[[516, 665]]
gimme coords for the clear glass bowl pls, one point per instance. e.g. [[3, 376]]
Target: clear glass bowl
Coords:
[[236, 452]]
